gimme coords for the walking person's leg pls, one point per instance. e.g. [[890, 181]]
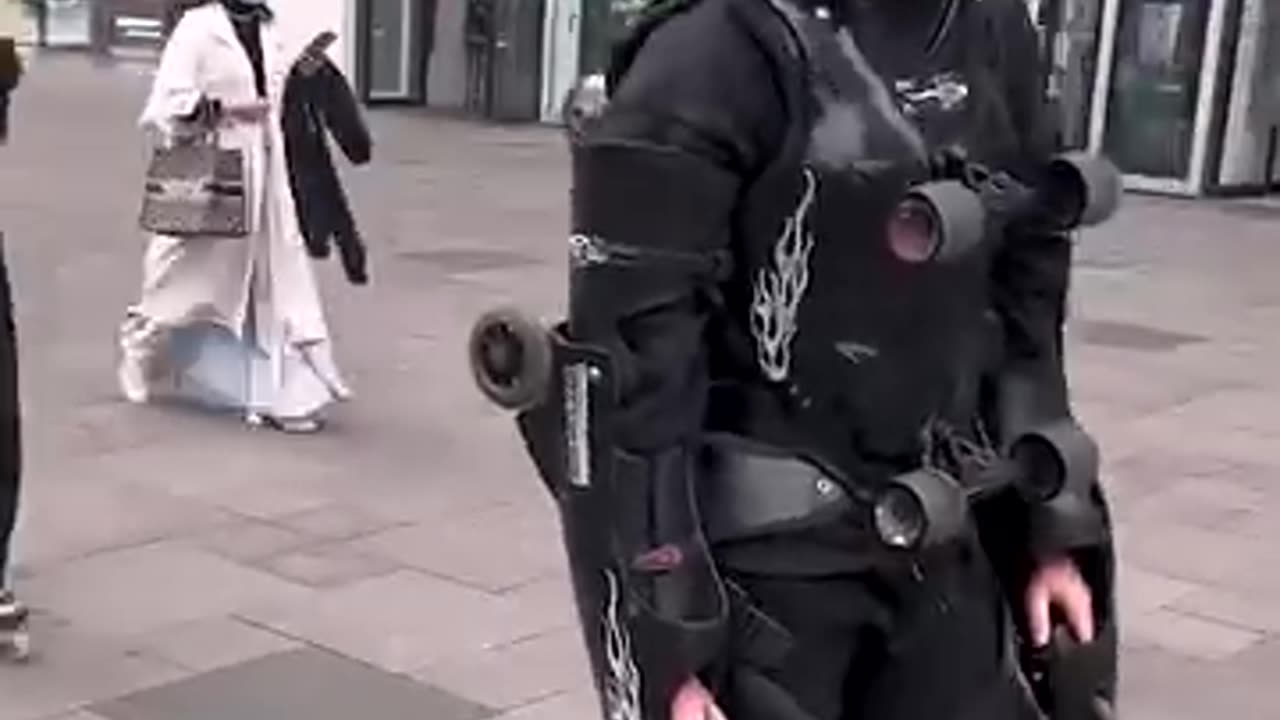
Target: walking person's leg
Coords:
[[12, 614], [10, 426]]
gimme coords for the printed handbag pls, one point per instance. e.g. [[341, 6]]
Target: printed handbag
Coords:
[[195, 188]]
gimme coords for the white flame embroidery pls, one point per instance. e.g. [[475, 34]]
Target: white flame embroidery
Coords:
[[622, 686], [778, 290]]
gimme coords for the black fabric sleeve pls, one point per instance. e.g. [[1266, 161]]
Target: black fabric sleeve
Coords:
[[1031, 285], [336, 102], [693, 118], [300, 133], [1032, 270]]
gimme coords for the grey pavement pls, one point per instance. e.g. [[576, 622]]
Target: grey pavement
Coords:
[[406, 563]]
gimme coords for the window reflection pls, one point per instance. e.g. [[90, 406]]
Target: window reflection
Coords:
[[1155, 86]]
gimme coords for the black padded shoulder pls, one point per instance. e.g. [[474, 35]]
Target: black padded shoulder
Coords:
[[752, 16], [650, 18], [711, 76]]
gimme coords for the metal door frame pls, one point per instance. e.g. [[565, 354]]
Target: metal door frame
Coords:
[[550, 104], [1248, 75], [354, 53], [1207, 92], [512, 98], [405, 92]]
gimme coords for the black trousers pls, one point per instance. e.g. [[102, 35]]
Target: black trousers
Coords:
[[10, 420], [926, 640]]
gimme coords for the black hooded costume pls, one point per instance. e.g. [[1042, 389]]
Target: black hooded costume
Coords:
[[754, 346]]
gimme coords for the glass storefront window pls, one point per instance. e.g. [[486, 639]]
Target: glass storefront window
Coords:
[[603, 23], [1073, 67], [69, 23], [1155, 86]]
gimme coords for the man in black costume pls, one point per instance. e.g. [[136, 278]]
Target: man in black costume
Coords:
[[773, 333]]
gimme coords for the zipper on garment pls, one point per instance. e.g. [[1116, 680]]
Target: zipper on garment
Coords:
[[587, 251]]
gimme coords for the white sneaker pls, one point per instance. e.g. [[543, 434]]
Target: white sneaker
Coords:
[[15, 640], [305, 425], [297, 426], [133, 381]]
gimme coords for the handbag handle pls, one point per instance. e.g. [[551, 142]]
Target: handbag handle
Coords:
[[200, 126]]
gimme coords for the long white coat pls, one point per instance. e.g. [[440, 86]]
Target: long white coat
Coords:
[[264, 281], [205, 57]]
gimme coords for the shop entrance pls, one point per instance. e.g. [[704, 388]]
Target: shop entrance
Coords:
[[393, 48]]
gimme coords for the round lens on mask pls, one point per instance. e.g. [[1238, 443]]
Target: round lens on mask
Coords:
[[899, 518], [913, 232]]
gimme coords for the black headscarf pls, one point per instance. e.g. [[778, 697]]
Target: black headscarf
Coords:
[[247, 16], [242, 10]]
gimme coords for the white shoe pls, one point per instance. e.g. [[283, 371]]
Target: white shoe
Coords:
[[297, 426], [133, 381], [290, 426], [15, 640]]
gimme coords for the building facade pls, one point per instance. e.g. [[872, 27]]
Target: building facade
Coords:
[[117, 24], [511, 60], [56, 23], [1184, 95]]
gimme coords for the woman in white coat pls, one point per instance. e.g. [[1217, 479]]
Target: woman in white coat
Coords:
[[232, 322]]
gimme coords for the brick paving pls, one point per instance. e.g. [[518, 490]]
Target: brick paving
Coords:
[[161, 546]]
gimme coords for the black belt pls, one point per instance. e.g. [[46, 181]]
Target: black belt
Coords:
[[808, 431], [748, 490]]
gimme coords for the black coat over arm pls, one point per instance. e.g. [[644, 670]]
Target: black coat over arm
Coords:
[[318, 102]]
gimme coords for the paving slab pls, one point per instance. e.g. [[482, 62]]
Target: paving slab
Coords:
[[526, 672], [75, 667], [305, 683], [211, 643]]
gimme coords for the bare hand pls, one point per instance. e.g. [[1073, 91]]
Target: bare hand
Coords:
[[694, 702], [249, 113], [1058, 584]]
